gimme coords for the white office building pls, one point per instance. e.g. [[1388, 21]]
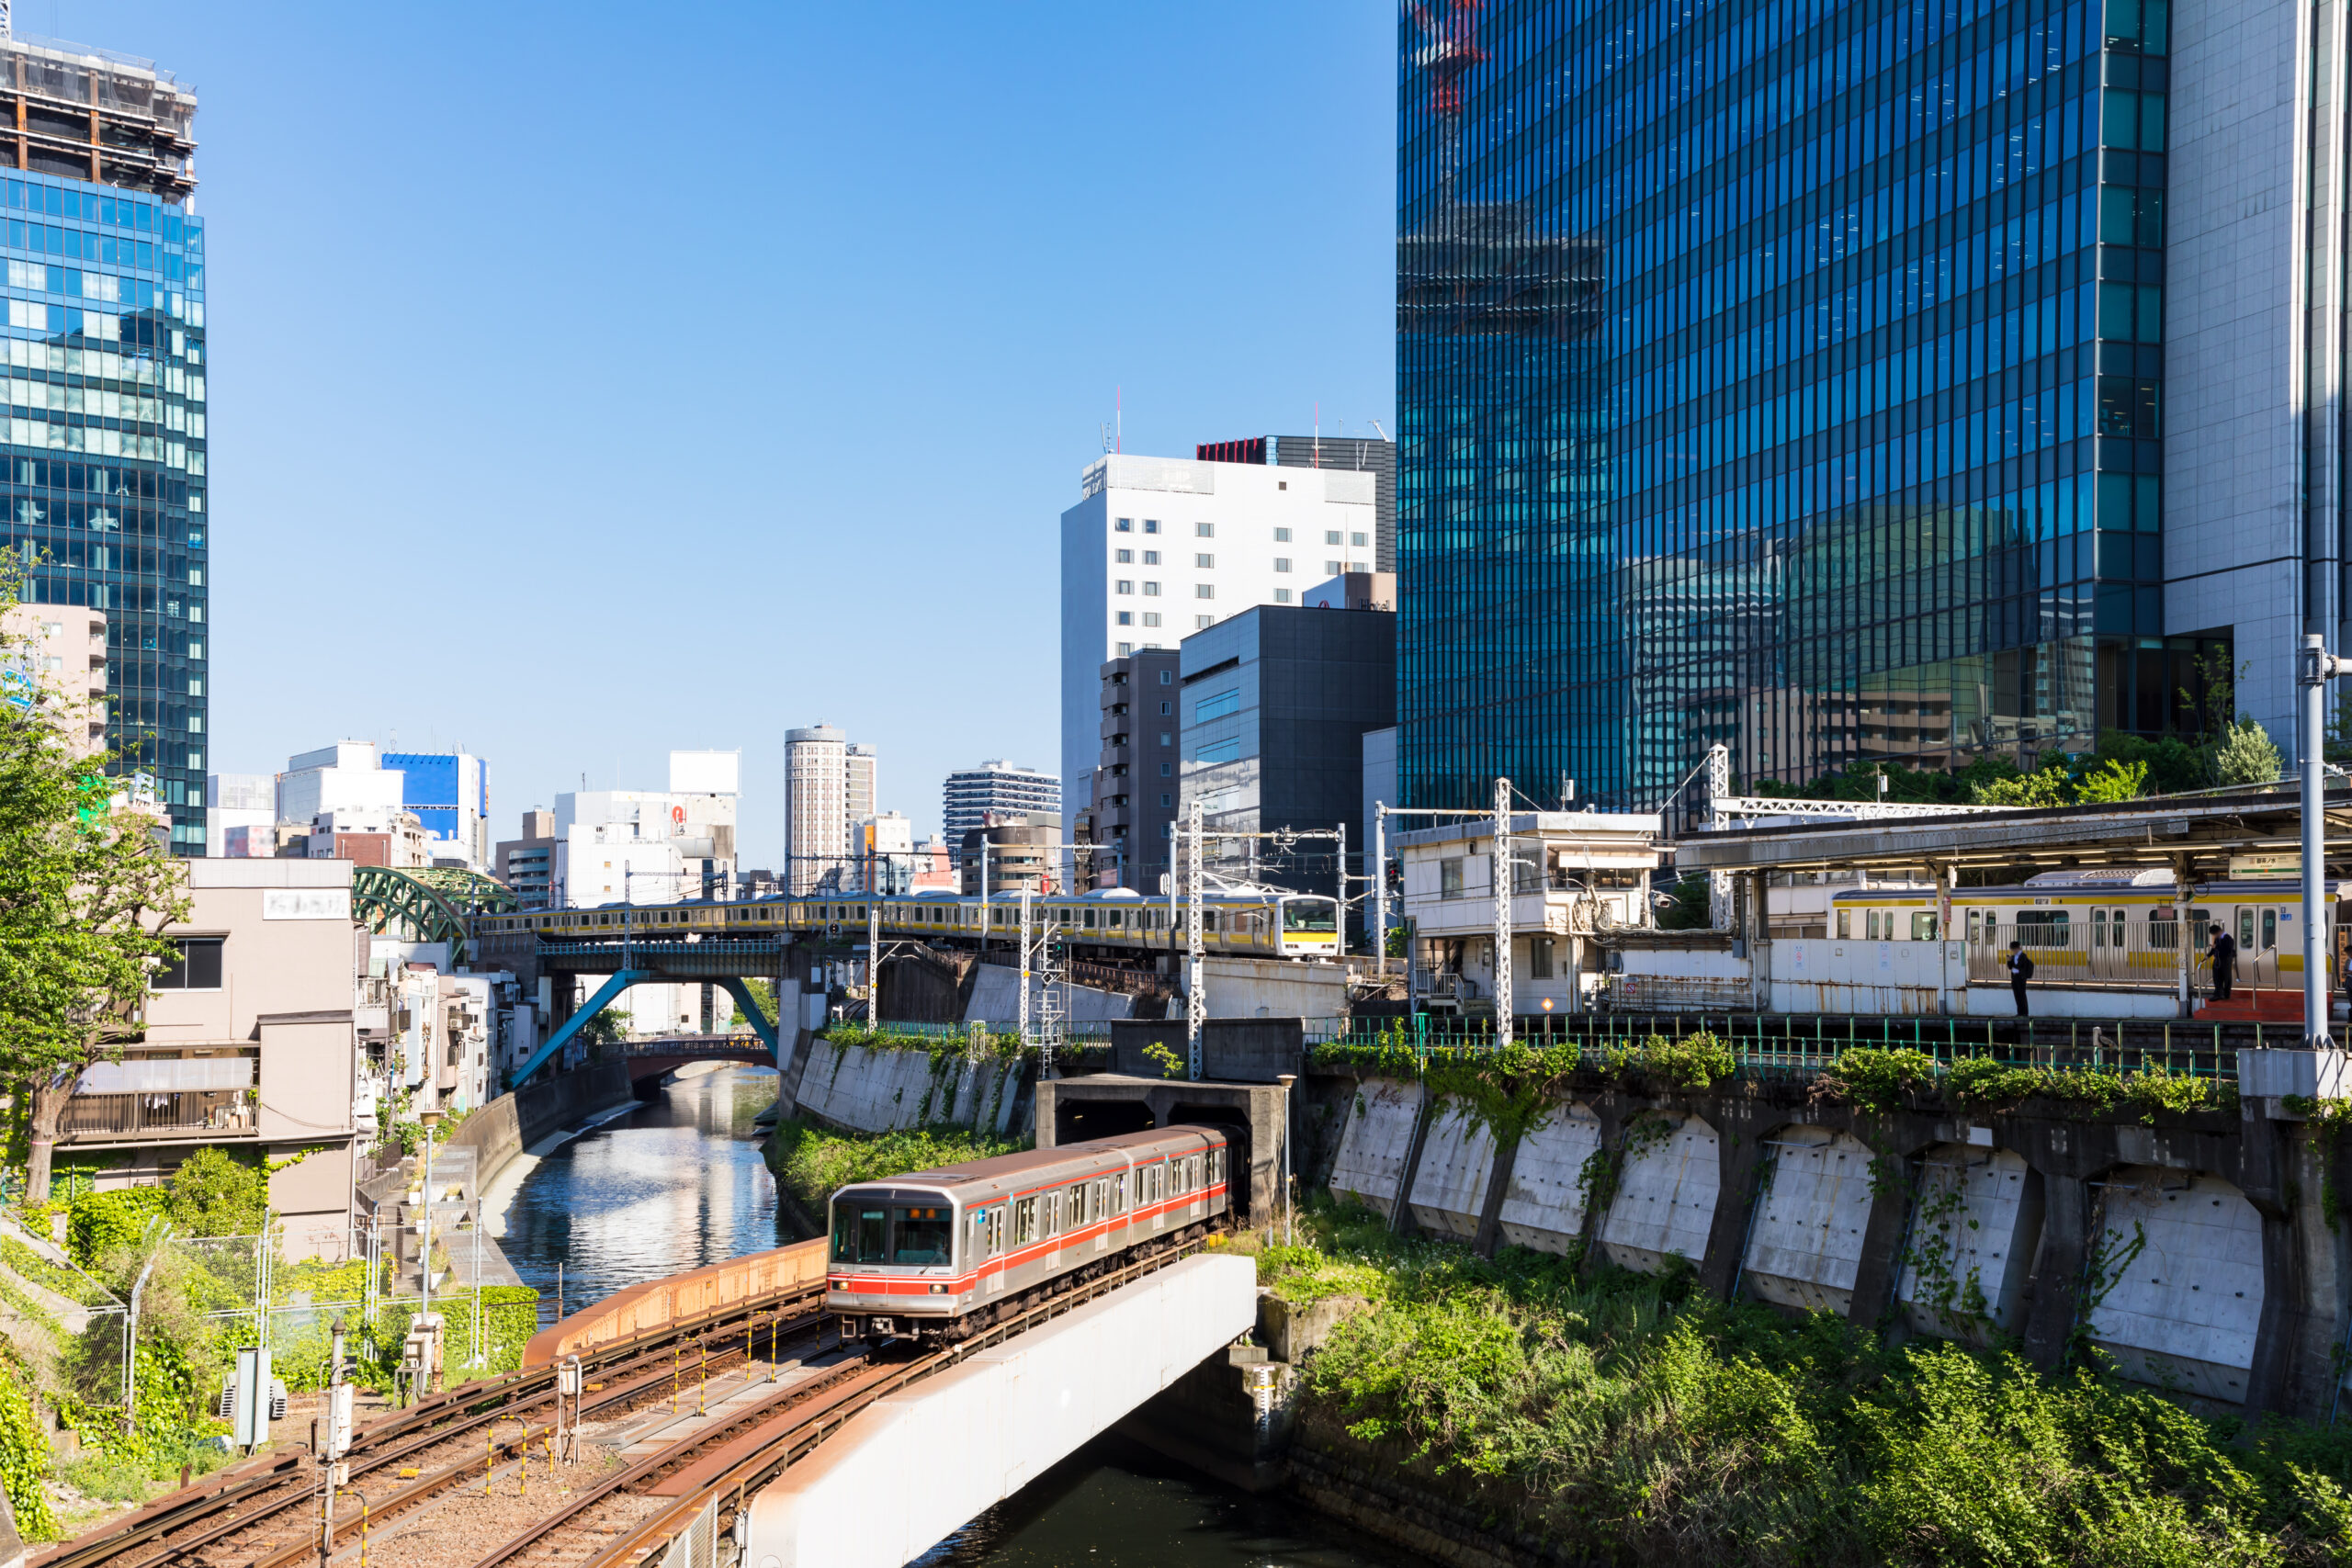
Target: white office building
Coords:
[[1160, 547], [235, 806]]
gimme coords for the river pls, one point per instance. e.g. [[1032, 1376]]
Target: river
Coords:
[[680, 1183]]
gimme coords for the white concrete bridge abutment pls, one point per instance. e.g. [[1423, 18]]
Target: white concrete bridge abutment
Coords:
[[909, 1471]]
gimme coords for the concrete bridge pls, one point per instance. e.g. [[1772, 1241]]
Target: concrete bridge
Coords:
[[651, 1061], [797, 1447]]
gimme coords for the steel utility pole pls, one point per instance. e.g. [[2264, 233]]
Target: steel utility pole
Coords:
[[1196, 1006], [2318, 666], [1380, 889], [1025, 961], [1503, 874], [1340, 888]]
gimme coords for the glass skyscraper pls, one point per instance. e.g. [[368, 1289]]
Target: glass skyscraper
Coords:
[[101, 449], [1784, 374]]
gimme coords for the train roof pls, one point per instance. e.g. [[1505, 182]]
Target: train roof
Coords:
[[1001, 1167]]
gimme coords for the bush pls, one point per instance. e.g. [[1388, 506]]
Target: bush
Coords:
[[813, 1164], [1628, 1418]]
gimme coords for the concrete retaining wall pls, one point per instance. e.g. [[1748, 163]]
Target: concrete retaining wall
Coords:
[[865, 1090], [515, 1121], [2197, 1251]]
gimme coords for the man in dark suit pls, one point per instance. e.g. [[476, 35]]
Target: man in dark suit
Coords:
[[2020, 971], [2224, 953]]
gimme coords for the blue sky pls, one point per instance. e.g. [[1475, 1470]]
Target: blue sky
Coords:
[[589, 382]]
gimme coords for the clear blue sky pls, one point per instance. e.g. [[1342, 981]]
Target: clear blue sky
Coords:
[[592, 380]]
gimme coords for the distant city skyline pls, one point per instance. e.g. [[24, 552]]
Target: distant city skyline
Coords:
[[543, 463]]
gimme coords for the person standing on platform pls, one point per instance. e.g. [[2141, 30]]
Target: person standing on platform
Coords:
[[2020, 971], [2224, 953]]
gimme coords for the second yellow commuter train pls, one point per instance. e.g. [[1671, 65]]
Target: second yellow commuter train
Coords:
[[1278, 925]]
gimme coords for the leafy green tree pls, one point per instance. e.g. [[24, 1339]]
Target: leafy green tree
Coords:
[[2113, 781], [214, 1193], [609, 1027], [2246, 755], [1687, 908], [85, 888], [2048, 784], [764, 994]]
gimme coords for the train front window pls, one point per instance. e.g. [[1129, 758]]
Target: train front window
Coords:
[[924, 1235], [1310, 915], [859, 1233]]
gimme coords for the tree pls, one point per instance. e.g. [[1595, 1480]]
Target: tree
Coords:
[[2048, 784], [2246, 755], [86, 887], [609, 1027], [2113, 781]]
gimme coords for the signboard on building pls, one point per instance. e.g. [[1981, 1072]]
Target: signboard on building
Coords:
[[306, 904]]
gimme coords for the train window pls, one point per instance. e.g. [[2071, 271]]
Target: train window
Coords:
[[1119, 1193], [1024, 1221], [1102, 1201], [925, 1235], [1923, 926], [1216, 1165], [1975, 925], [1845, 924], [1053, 1213], [2164, 928], [2270, 929], [859, 1233], [2045, 928]]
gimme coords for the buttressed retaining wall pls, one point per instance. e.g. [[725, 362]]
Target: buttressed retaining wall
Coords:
[[2200, 1249]]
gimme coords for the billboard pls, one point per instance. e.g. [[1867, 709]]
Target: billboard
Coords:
[[706, 772]]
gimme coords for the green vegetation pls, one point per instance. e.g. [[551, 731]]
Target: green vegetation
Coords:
[[811, 1163], [1506, 1088], [1635, 1420]]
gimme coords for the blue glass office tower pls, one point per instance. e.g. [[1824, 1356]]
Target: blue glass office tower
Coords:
[[102, 450], [1781, 373]]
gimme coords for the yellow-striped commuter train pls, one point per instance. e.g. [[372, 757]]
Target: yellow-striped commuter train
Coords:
[[2117, 921], [1266, 925]]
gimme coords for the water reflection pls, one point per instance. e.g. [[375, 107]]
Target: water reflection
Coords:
[[1116, 1505], [671, 1186]]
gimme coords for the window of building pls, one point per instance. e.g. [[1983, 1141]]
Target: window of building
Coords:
[[1205, 591], [1282, 563], [1167, 739], [1167, 678], [1281, 536], [1126, 557], [1167, 799], [1358, 540], [1126, 617], [1331, 567], [1167, 769], [1282, 595], [1151, 525], [1331, 536], [1204, 530], [1125, 585], [1151, 557], [1539, 957], [195, 965], [1203, 623], [1204, 563], [1151, 617], [1125, 526], [1164, 709], [1448, 877], [1126, 649], [1151, 590], [1281, 484]]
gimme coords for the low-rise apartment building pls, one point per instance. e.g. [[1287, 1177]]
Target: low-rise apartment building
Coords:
[[248, 1046]]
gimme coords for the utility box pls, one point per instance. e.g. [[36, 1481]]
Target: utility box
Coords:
[[250, 1398], [340, 1408], [421, 1349]]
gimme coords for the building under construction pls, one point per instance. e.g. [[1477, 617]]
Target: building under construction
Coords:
[[92, 114]]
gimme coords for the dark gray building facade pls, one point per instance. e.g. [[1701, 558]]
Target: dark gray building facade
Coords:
[[1275, 703], [1136, 781]]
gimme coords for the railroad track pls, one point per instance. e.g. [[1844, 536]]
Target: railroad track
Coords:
[[714, 1469], [242, 1515]]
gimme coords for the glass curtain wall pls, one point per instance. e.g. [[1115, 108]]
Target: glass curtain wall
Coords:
[[1783, 374], [102, 455]]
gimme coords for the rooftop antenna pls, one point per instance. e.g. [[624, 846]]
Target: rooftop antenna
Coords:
[[1376, 425]]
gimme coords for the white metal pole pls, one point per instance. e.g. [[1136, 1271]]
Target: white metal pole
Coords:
[[1024, 965], [1503, 874], [1196, 1008], [2317, 668], [1380, 887], [1339, 882]]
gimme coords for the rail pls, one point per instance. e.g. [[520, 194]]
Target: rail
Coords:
[[1764, 1045]]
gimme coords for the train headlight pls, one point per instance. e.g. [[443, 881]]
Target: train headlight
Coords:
[[939, 1290]]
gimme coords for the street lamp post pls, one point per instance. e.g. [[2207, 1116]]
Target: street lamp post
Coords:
[[2317, 668]]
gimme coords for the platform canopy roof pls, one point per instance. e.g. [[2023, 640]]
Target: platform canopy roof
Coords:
[[2207, 827]]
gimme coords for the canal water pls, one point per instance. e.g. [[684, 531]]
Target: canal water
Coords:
[[681, 1182]]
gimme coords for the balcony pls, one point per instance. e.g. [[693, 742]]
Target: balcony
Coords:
[[209, 1113]]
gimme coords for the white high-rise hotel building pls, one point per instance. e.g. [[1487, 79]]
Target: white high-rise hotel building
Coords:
[[1159, 548], [829, 788]]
